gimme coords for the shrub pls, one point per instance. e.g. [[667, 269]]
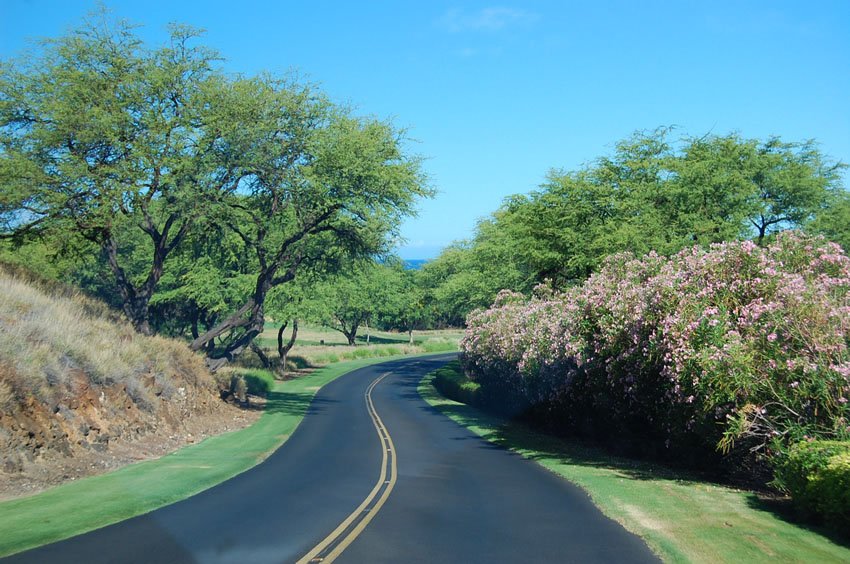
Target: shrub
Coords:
[[258, 382], [451, 382], [817, 475], [734, 347]]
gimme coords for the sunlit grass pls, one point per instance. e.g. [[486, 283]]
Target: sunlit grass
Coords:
[[319, 346], [49, 335]]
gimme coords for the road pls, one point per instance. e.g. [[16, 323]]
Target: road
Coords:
[[372, 474]]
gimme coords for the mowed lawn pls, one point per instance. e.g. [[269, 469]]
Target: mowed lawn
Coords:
[[682, 518], [319, 346]]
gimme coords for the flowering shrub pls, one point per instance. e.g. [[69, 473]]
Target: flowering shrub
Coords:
[[736, 346]]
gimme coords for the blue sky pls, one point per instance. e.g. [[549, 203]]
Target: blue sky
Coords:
[[498, 93]]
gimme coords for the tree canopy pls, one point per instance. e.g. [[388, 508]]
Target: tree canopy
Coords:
[[651, 194], [152, 154]]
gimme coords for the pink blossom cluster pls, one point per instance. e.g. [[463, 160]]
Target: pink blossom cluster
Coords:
[[735, 344]]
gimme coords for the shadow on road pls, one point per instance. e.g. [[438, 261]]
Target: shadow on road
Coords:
[[535, 445], [294, 403]]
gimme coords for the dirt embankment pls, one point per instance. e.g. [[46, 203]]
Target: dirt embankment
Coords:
[[81, 393]]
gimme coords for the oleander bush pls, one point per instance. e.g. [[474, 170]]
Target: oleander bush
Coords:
[[735, 349]]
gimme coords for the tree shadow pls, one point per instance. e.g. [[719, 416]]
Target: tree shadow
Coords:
[[376, 340], [298, 362], [295, 403], [537, 445]]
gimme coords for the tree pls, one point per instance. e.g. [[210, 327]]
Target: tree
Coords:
[[833, 221], [287, 304], [650, 194], [130, 148], [100, 136], [363, 291], [713, 194], [408, 310], [320, 187], [792, 183], [207, 277]]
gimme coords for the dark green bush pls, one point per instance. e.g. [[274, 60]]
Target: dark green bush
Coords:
[[817, 475], [451, 382], [259, 382]]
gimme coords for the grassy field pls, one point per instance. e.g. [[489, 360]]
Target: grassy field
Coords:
[[97, 501], [682, 518], [319, 346]]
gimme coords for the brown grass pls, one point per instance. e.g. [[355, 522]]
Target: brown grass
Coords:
[[81, 392], [49, 332]]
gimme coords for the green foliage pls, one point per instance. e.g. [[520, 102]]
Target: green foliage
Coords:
[[363, 291], [451, 382], [650, 194], [833, 221], [200, 191], [259, 382], [817, 475], [101, 139]]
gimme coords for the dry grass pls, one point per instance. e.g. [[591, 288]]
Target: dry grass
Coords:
[[81, 392], [49, 333]]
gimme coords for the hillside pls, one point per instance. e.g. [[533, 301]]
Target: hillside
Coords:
[[81, 392]]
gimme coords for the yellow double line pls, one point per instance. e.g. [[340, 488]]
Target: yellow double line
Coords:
[[332, 546]]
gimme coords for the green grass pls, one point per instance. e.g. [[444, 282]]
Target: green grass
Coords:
[[682, 518], [258, 382], [97, 501], [317, 346]]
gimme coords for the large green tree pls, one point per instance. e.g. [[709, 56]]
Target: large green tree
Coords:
[[135, 149], [100, 135], [323, 187]]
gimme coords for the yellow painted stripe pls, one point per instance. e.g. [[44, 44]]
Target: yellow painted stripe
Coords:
[[388, 449]]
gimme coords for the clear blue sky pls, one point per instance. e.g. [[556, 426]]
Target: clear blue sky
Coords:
[[497, 93]]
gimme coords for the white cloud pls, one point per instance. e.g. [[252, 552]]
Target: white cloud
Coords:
[[491, 19]]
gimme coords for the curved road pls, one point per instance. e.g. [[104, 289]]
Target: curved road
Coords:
[[424, 490]]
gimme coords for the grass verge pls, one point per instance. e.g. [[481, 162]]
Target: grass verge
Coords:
[[681, 518], [97, 501]]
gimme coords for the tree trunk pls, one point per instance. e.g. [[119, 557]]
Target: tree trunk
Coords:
[[410, 336], [283, 350], [351, 336], [195, 332], [250, 318], [261, 354], [368, 334], [136, 300]]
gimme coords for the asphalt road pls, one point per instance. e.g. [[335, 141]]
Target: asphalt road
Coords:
[[443, 495]]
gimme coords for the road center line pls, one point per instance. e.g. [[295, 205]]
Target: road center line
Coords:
[[332, 546]]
